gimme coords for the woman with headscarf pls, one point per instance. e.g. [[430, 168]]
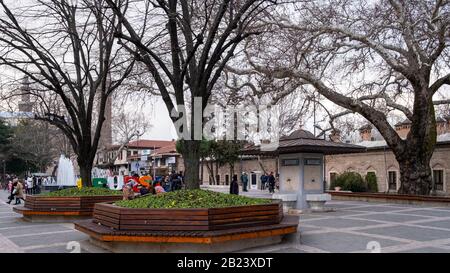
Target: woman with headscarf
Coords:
[[234, 186]]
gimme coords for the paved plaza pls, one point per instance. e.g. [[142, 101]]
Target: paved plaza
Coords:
[[352, 227]]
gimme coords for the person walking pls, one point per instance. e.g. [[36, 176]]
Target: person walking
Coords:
[[19, 193], [234, 186], [244, 180], [263, 181], [271, 181], [10, 186], [12, 192]]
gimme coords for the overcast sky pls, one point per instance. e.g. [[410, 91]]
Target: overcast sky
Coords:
[[162, 126]]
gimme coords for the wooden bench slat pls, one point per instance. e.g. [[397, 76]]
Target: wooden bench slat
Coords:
[[244, 219], [162, 222], [243, 214], [162, 228]]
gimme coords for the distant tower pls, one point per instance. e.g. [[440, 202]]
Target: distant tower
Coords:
[[25, 104], [106, 132]]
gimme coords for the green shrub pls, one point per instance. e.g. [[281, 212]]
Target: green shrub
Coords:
[[191, 199], [371, 182], [84, 191], [350, 181]]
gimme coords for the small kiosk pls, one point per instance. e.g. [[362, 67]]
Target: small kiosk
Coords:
[[301, 166]]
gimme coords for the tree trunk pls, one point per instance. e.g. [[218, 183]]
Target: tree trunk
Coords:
[[414, 161], [415, 176], [191, 156], [210, 168], [86, 173], [231, 171], [201, 171]]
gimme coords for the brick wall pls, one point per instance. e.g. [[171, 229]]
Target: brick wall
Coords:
[[381, 162]]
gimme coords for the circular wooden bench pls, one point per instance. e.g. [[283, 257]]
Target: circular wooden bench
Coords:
[[61, 209], [187, 230]]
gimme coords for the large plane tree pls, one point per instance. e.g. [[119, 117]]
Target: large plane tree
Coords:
[[184, 46], [370, 58]]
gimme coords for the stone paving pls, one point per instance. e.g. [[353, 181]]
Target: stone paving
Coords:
[[20, 236], [352, 227], [371, 227]]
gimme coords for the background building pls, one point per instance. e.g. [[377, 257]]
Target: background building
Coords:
[[380, 160], [255, 163], [140, 156]]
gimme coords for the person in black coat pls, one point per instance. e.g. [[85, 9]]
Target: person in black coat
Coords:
[[271, 180], [234, 186]]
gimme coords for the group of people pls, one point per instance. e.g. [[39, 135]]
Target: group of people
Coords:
[[5, 179], [135, 187], [33, 185], [268, 181], [15, 188]]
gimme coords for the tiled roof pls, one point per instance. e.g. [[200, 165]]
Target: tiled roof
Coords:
[[143, 144], [170, 149], [307, 144], [366, 127], [404, 122], [299, 134], [377, 144], [150, 144]]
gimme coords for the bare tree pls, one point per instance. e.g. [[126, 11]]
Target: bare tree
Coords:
[[67, 49], [127, 126], [184, 45], [369, 57], [294, 101]]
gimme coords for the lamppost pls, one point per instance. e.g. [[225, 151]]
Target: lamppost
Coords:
[[139, 154], [4, 170]]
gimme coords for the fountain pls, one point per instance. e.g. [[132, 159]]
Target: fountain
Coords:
[[66, 174]]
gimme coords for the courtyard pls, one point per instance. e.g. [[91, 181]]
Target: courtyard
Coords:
[[351, 227]]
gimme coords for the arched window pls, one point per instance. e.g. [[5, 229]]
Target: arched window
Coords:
[[218, 179], [438, 179], [333, 176], [392, 180]]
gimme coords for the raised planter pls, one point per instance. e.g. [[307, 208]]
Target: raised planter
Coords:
[[61, 209], [121, 229], [391, 198], [120, 218]]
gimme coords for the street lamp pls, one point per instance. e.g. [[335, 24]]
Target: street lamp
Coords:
[[4, 170]]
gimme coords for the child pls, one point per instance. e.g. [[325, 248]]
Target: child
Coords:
[[128, 192]]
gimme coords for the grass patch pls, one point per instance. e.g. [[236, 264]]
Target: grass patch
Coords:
[[191, 199], [85, 191]]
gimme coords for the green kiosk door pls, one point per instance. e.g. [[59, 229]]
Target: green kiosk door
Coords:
[[99, 182]]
